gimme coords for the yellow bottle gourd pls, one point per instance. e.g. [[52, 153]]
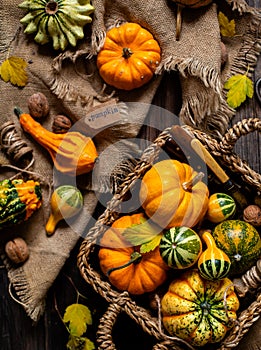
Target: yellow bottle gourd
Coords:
[[66, 202], [213, 263]]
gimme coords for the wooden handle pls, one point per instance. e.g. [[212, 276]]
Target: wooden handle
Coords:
[[210, 161]]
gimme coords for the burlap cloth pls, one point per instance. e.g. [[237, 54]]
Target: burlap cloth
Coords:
[[72, 85]]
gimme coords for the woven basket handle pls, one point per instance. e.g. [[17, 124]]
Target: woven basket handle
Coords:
[[223, 149], [241, 128]]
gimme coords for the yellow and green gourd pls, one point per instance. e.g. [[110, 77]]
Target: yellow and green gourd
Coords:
[[19, 199], [240, 241], [213, 263], [180, 247], [66, 202], [221, 206], [197, 310], [60, 21]]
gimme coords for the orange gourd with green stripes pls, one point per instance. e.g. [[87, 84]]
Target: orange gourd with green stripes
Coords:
[[18, 201], [213, 263], [221, 206]]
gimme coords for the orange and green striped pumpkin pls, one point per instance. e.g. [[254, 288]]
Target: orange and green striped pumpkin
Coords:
[[213, 263], [221, 206], [180, 247], [240, 241]]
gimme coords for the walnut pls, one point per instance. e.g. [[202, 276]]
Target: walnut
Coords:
[[252, 215], [38, 105], [61, 124], [17, 250]]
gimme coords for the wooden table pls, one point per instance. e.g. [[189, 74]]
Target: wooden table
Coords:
[[16, 329]]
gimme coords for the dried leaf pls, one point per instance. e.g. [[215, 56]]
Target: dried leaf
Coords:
[[78, 316], [141, 233], [227, 28], [13, 70], [151, 245], [239, 87]]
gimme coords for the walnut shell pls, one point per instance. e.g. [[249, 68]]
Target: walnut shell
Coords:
[[17, 250], [61, 124], [252, 215], [38, 105]]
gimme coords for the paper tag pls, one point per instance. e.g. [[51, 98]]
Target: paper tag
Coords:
[[103, 116]]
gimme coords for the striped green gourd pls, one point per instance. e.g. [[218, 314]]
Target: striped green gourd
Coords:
[[180, 247], [213, 263], [61, 21], [240, 241], [221, 206], [18, 201]]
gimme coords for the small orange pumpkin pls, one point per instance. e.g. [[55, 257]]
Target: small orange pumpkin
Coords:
[[129, 57], [127, 268], [172, 194]]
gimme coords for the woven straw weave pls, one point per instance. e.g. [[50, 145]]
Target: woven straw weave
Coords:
[[121, 301]]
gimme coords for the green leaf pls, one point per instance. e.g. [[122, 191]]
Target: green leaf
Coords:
[[13, 70], [151, 245], [227, 28], [78, 316], [79, 343], [239, 87], [141, 233]]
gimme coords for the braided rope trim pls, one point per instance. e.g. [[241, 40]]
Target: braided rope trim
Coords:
[[122, 301]]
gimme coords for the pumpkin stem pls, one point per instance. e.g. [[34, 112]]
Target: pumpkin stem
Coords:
[[51, 7], [188, 185], [126, 52], [135, 258], [179, 21]]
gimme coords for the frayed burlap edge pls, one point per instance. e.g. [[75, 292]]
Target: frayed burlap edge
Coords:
[[245, 62]]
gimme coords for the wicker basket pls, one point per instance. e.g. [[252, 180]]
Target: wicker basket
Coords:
[[123, 302]]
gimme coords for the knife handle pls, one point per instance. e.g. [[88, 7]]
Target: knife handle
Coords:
[[228, 185]]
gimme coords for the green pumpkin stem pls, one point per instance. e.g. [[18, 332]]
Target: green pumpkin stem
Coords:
[[187, 186], [135, 258]]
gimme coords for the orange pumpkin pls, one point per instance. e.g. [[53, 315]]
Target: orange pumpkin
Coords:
[[127, 268], [129, 57], [172, 194]]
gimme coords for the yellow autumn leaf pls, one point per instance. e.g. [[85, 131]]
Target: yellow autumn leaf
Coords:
[[151, 245], [13, 70], [78, 316], [239, 87], [139, 234], [227, 28]]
